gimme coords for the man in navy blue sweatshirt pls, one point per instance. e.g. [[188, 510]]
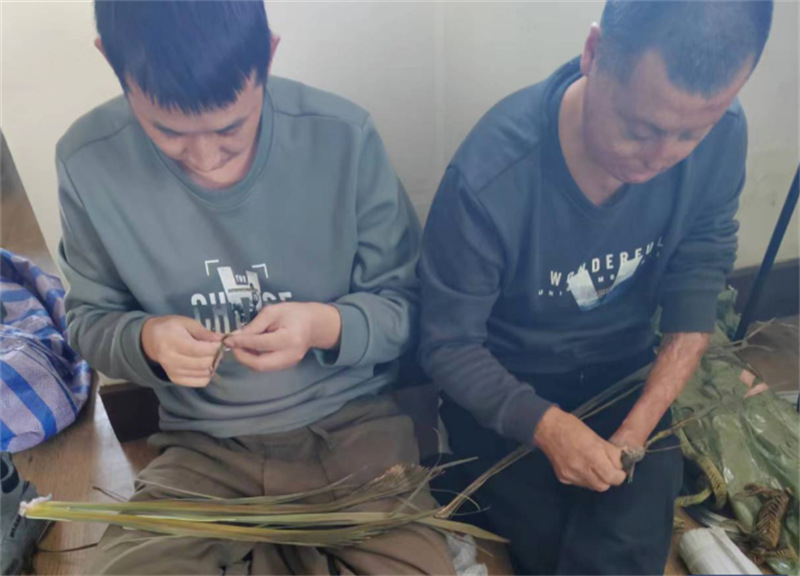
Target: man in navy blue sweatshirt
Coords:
[[573, 210]]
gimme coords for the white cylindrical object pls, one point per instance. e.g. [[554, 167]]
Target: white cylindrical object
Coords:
[[711, 551]]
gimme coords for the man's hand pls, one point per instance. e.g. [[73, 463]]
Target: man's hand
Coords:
[[677, 360], [578, 455], [183, 347], [282, 334], [627, 438]]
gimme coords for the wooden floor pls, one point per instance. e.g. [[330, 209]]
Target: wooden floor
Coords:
[[775, 355], [69, 467]]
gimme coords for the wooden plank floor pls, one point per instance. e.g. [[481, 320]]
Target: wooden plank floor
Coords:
[[68, 467], [776, 356]]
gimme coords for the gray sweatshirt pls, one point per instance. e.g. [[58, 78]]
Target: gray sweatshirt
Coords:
[[321, 216]]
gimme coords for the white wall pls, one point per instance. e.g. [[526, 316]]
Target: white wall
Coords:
[[770, 99], [426, 71], [51, 74], [384, 56]]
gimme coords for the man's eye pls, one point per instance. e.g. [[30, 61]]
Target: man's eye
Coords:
[[229, 131]]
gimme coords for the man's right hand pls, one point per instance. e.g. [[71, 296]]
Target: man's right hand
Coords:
[[578, 455], [183, 347]]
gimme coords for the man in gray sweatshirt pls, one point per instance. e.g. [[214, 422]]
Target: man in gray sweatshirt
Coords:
[[212, 199], [573, 210]]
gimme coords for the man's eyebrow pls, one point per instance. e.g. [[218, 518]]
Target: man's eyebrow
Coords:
[[229, 127], [649, 125], [163, 128], [232, 125]]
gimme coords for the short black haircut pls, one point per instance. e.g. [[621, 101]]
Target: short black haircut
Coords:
[[189, 55], [704, 43]]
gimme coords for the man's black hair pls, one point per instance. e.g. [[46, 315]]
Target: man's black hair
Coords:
[[189, 55], [704, 43]]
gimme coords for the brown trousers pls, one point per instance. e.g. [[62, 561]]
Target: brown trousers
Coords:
[[364, 438]]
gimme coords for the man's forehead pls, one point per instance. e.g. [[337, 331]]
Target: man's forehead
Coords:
[[649, 93], [176, 119]]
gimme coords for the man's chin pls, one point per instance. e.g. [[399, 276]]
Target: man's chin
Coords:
[[625, 175], [638, 177], [217, 178], [213, 180]]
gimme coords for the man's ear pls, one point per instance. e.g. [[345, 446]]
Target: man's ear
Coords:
[[590, 49], [275, 39], [98, 43]]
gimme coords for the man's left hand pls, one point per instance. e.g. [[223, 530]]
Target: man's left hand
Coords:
[[628, 438], [282, 334]]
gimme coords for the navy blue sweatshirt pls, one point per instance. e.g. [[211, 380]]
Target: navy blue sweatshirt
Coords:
[[522, 275]]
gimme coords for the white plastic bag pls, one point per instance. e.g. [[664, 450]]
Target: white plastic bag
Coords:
[[464, 554]]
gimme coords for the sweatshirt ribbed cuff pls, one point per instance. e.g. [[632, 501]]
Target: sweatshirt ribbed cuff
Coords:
[[689, 311], [354, 340], [522, 416], [131, 345]]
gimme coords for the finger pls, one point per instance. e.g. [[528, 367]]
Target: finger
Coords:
[[183, 373], [608, 472], [196, 348], [266, 342], [190, 363], [192, 382], [267, 362], [614, 454], [581, 474], [582, 480], [618, 479], [262, 321], [200, 332], [594, 481]]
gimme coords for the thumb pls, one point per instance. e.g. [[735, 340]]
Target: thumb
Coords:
[[200, 332], [614, 454], [261, 322]]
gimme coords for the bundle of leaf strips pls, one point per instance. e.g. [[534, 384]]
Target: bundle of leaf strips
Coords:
[[289, 521], [272, 519], [714, 482]]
